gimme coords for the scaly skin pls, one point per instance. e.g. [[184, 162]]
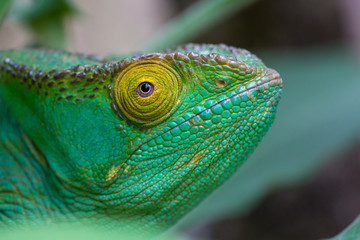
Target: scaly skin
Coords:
[[126, 143]]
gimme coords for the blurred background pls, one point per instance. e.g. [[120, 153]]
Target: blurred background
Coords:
[[303, 181]]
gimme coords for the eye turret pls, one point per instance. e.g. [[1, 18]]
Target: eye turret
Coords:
[[147, 92]]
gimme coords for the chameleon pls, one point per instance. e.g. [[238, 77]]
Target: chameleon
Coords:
[[126, 142]]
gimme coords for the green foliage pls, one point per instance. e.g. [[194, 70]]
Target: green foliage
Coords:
[[75, 232], [350, 233], [45, 18], [4, 8], [193, 21]]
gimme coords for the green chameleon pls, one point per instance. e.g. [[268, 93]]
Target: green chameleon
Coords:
[[126, 142]]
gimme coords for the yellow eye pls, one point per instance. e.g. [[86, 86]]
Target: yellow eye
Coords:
[[147, 92]]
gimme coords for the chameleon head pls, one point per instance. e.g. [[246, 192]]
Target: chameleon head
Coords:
[[144, 139], [191, 118]]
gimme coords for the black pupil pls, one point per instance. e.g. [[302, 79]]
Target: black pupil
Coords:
[[145, 87]]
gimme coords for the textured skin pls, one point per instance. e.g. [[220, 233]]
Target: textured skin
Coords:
[[77, 143]]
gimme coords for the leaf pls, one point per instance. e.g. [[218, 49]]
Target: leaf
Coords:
[[4, 8], [194, 20], [318, 116], [75, 231], [46, 19], [352, 232]]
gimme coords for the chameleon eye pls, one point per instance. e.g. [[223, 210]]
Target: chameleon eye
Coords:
[[145, 89], [147, 92]]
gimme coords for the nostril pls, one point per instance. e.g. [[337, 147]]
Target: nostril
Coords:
[[220, 83]]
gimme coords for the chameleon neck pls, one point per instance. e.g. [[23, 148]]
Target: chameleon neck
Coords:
[[27, 192]]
